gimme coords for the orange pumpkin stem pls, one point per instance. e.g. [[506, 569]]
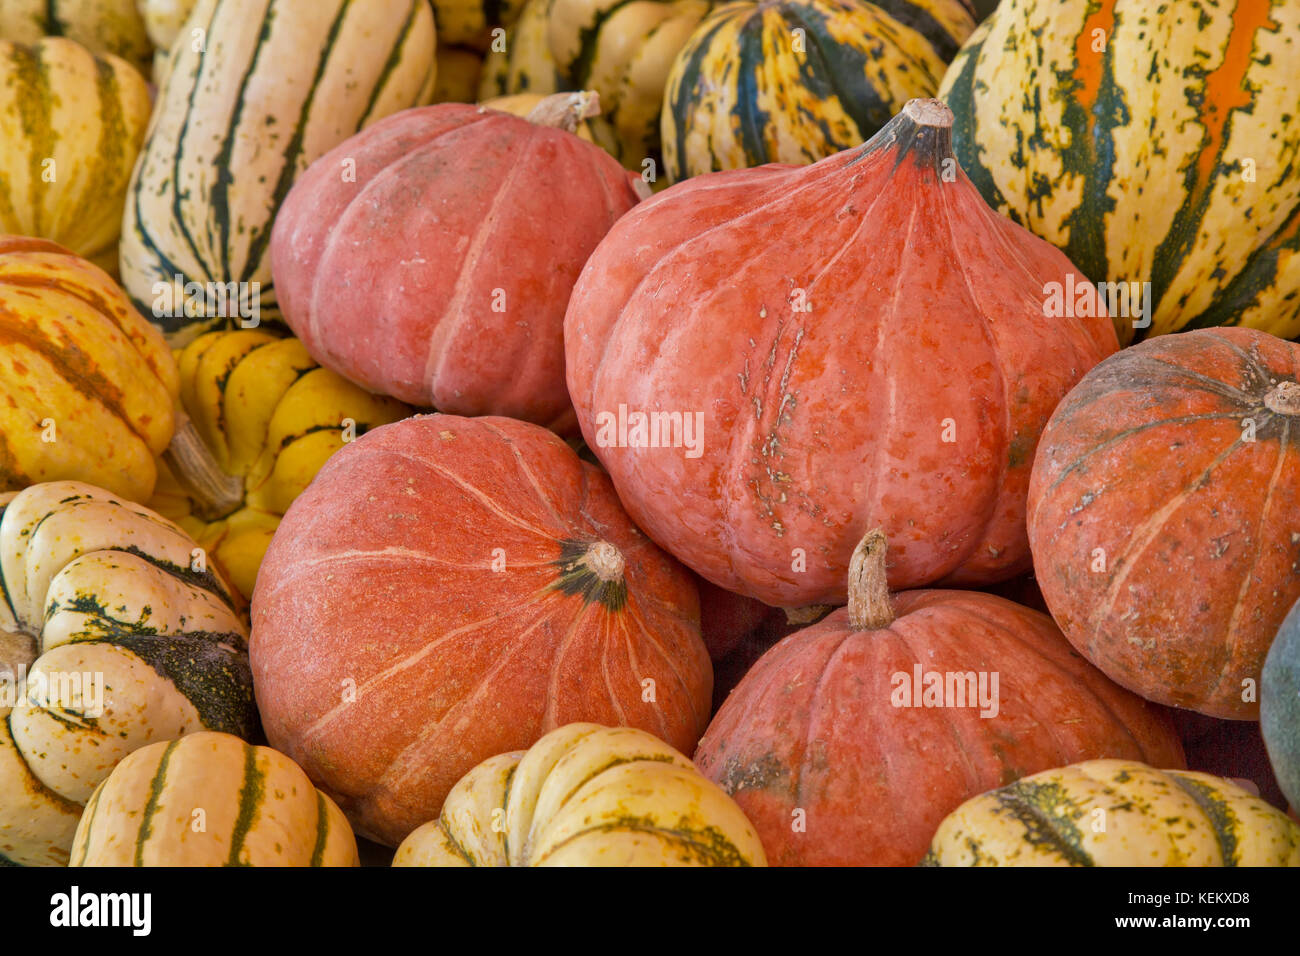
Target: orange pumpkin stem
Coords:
[[605, 561], [566, 110], [869, 605], [1284, 398], [215, 493]]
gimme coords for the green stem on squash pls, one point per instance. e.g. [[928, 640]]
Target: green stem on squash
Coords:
[[215, 493], [565, 110], [869, 605]]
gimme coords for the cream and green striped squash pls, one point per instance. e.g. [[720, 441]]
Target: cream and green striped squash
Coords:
[[164, 19], [102, 26], [471, 22], [1150, 143], [273, 85], [210, 799], [794, 81], [522, 62], [71, 125], [94, 585], [1116, 813]]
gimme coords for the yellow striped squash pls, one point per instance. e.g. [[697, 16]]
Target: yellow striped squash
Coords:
[[88, 384], [118, 635], [102, 26], [1116, 813], [163, 19], [623, 50], [1150, 144], [210, 799], [586, 795], [71, 125], [270, 417], [470, 22], [267, 88], [796, 81], [522, 61]]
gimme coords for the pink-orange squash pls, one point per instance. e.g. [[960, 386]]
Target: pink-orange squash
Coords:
[[848, 742], [854, 343], [448, 589], [431, 256]]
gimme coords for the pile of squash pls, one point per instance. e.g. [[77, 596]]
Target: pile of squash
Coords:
[[653, 433]]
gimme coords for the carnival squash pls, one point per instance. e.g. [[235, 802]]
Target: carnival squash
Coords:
[[101, 26], [273, 85], [1279, 706], [1163, 514], [586, 795], [1116, 813], [770, 361], [267, 417], [1155, 145], [211, 799], [455, 301], [71, 125], [794, 81], [850, 741], [449, 589], [119, 635], [89, 385]]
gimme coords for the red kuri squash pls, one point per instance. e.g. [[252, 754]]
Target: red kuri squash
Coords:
[[1164, 515], [431, 256], [449, 589], [849, 742], [854, 343]]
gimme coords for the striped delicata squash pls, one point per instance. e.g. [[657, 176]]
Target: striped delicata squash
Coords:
[[210, 799], [71, 125], [267, 417], [795, 81], [586, 795], [116, 635], [102, 26], [266, 87], [1116, 813], [1152, 143]]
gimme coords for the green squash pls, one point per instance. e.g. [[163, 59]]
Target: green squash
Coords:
[[1279, 706]]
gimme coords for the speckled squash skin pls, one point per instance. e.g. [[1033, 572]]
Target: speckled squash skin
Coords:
[[1151, 143], [455, 301], [1279, 706], [258, 809], [1116, 813], [275, 85], [835, 768], [88, 384], [796, 81], [101, 26], [1163, 515], [71, 126], [107, 590], [865, 344], [477, 585], [586, 795]]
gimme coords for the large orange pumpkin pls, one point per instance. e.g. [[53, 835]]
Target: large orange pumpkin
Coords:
[[857, 342], [448, 589], [843, 747], [431, 256], [1164, 515]]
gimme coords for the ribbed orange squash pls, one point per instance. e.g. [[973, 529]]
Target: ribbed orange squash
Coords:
[[857, 342], [448, 589], [840, 751], [439, 272]]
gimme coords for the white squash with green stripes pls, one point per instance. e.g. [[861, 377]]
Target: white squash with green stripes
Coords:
[[123, 637], [256, 92]]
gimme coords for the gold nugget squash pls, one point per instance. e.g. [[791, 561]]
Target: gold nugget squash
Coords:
[[88, 384], [276, 84], [586, 795], [117, 635], [270, 417], [257, 806], [71, 125], [1151, 818], [1151, 143], [794, 81]]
